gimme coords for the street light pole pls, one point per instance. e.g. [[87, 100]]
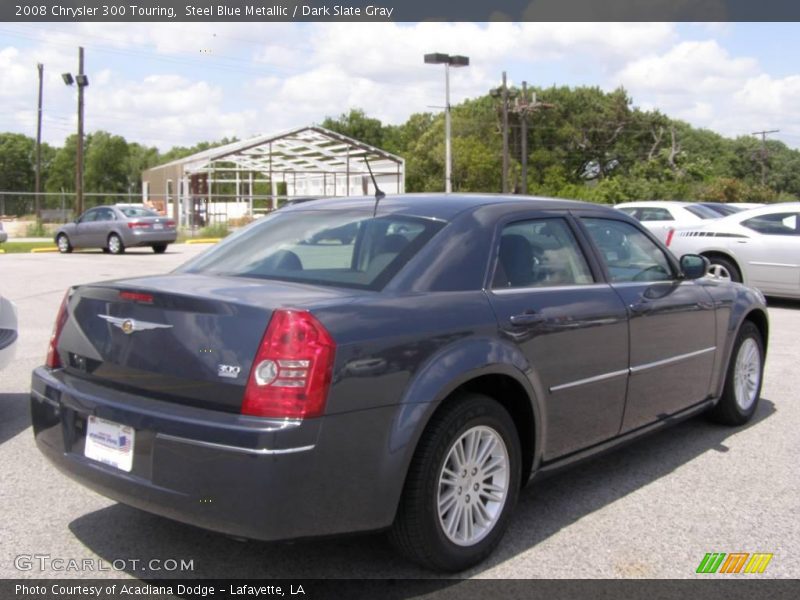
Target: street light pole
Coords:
[[38, 185], [79, 153], [447, 60], [448, 157], [81, 80]]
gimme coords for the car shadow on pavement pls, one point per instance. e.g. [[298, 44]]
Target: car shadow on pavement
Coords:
[[15, 415], [544, 508]]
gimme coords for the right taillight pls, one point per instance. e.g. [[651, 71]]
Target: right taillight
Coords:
[[53, 360], [292, 370], [670, 233]]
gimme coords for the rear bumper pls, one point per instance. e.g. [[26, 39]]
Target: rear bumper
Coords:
[[243, 476], [147, 238]]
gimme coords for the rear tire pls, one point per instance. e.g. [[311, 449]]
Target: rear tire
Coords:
[[743, 379], [724, 268], [115, 245], [62, 241], [462, 486], [159, 248]]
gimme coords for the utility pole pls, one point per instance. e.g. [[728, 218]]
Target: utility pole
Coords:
[[524, 108], [38, 185], [763, 135]]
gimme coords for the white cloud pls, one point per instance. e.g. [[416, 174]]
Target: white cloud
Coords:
[[699, 67], [168, 83]]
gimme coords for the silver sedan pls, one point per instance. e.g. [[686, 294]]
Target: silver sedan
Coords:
[[8, 331], [114, 228]]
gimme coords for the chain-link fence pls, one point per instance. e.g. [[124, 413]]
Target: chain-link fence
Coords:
[[197, 211]]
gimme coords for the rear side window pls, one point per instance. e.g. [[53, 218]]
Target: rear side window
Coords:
[[539, 253], [628, 253], [333, 248], [774, 224]]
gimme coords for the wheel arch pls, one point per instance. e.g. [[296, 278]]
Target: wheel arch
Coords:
[[710, 254], [473, 367]]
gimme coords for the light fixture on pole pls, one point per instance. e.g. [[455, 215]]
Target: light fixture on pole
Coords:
[[82, 81], [439, 58]]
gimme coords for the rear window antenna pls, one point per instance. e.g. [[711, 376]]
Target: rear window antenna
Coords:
[[379, 195]]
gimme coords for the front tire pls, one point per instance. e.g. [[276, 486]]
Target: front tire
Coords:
[[115, 245], [62, 241], [462, 486], [159, 248], [743, 379]]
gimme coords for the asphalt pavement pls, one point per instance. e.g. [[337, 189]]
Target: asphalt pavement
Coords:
[[650, 510]]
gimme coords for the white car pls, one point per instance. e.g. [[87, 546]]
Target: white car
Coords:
[[8, 331], [660, 216], [759, 247]]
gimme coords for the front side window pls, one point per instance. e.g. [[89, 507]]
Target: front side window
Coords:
[[774, 224], [336, 248], [89, 216], [539, 253], [629, 255]]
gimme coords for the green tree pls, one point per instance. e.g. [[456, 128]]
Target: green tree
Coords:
[[357, 125], [16, 162], [105, 166]]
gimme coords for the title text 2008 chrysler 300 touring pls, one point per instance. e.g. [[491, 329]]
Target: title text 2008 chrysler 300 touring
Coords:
[[412, 377]]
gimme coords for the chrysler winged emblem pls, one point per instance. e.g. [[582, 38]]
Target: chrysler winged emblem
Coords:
[[129, 326]]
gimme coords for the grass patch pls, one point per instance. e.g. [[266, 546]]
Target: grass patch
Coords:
[[17, 247], [217, 230]]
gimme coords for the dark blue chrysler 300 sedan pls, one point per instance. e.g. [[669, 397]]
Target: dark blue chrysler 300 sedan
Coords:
[[410, 377]]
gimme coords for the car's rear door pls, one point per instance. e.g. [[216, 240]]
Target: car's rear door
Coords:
[[772, 254], [672, 322], [571, 326]]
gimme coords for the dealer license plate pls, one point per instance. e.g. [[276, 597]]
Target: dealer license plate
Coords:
[[109, 443]]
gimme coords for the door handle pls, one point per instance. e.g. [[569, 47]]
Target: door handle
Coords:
[[640, 308], [530, 317]]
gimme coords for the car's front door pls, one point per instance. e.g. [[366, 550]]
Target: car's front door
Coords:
[[571, 327], [102, 227], [84, 228], [672, 322]]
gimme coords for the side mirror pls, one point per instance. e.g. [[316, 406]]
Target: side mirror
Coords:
[[694, 266]]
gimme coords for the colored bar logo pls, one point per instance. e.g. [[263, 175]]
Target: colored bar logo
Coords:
[[734, 563]]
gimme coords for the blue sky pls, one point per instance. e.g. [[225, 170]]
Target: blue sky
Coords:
[[167, 84]]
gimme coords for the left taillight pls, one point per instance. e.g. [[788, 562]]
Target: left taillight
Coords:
[[292, 370], [53, 360]]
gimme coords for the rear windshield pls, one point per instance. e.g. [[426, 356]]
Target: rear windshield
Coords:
[[340, 249], [698, 210], [135, 211]]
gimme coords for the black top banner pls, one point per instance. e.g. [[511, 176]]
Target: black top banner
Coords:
[[400, 10]]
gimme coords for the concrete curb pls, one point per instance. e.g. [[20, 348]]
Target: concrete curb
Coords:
[[203, 241]]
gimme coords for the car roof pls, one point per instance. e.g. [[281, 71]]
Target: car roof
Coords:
[[438, 206], [653, 203], [767, 210]]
